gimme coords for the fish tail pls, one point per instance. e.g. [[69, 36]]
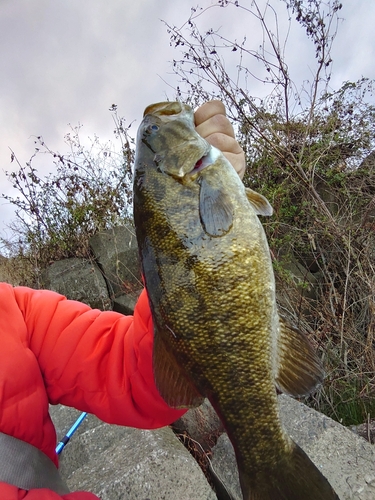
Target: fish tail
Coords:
[[295, 477]]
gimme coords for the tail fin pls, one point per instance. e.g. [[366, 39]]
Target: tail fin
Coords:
[[294, 478]]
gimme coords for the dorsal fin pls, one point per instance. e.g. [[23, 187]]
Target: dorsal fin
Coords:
[[171, 381], [259, 203], [299, 369]]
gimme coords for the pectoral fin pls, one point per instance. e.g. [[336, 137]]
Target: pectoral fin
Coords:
[[215, 209], [299, 368], [260, 204], [171, 381]]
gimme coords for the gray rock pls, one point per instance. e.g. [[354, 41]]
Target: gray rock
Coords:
[[225, 466], [124, 463], [308, 282], [116, 252], [78, 279], [64, 417], [125, 304], [201, 424], [141, 465], [366, 430], [347, 460]]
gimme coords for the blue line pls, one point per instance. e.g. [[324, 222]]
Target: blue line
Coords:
[[69, 434]]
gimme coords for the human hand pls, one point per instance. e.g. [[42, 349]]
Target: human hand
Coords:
[[213, 125]]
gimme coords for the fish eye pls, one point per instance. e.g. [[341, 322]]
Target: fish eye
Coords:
[[152, 128]]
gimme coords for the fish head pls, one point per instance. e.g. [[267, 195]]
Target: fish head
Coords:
[[169, 149], [167, 134]]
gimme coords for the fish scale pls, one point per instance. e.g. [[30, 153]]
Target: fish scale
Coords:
[[209, 278]]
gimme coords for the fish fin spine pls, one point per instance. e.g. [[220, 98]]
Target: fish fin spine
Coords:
[[259, 203], [299, 369], [171, 380]]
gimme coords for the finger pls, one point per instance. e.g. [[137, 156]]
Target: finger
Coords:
[[231, 150], [224, 142], [217, 124], [213, 125], [237, 160], [208, 110]]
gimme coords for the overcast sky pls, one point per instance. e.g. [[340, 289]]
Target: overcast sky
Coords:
[[68, 61]]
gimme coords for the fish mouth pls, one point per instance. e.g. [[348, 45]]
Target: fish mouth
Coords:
[[205, 161]]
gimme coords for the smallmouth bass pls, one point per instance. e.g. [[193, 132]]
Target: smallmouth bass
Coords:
[[211, 287]]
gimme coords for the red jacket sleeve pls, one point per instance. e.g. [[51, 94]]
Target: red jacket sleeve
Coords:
[[99, 362]]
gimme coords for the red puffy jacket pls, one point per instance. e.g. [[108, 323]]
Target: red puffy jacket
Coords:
[[54, 350]]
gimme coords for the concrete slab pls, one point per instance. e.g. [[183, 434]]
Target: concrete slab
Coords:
[[118, 463]]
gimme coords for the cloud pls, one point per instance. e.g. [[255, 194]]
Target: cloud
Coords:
[[67, 61]]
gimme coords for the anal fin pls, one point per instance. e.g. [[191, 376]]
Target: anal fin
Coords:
[[299, 368], [171, 381]]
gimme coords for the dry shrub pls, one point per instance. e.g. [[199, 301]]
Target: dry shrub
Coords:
[[331, 296], [88, 190], [16, 271], [305, 143]]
